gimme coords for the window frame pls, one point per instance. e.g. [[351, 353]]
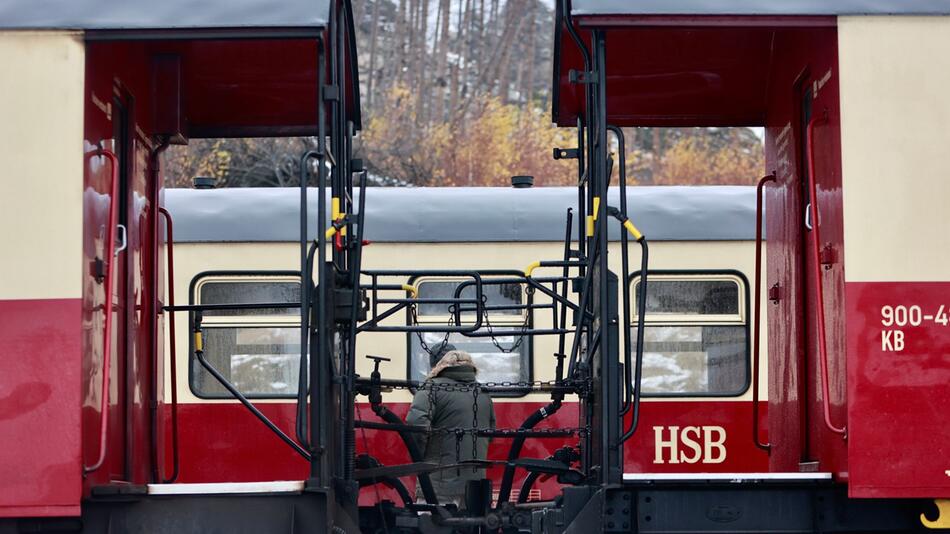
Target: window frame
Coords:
[[230, 322], [508, 320], [742, 319]]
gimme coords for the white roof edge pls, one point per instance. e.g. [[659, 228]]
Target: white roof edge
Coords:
[[464, 214]]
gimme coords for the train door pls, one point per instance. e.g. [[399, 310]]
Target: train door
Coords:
[[822, 368], [119, 394], [809, 333]]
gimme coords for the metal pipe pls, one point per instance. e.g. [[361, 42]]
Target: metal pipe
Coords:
[[107, 308], [154, 309], [562, 324], [641, 323], [199, 354], [552, 433], [319, 358], [526, 486], [228, 307], [170, 260], [816, 272], [625, 269], [306, 282], [425, 483], [515, 450]]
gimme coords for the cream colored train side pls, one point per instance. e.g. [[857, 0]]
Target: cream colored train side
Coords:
[[232, 245]]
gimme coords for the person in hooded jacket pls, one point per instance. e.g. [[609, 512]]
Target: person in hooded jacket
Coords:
[[444, 407]]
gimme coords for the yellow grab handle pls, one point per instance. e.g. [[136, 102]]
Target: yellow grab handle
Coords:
[[411, 289], [331, 231], [336, 214], [199, 346], [530, 268], [592, 218], [628, 224]]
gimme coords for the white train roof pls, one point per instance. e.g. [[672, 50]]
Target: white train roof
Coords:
[[463, 214], [138, 14], [760, 7]]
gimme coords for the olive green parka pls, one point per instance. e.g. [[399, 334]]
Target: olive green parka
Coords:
[[442, 408]]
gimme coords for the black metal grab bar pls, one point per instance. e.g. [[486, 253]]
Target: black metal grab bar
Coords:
[[227, 307], [480, 432], [199, 354], [170, 259]]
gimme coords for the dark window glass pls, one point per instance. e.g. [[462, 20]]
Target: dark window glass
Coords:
[[708, 360], [259, 361], [260, 358], [684, 353], [495, 295], [687, 297], [251, 292], [494, 364]]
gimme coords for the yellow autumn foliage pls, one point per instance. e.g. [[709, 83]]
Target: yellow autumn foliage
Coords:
[[487, 146]]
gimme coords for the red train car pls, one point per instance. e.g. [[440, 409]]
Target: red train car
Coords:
[[852, 96], [94, 91]]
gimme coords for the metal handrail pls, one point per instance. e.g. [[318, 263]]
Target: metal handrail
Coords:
[[199, 354], [756, 322], [816, 271], [107, 307], [170, 260]]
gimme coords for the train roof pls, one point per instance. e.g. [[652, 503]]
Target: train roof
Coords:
[[166, 14], [760, 7], [464, 214]]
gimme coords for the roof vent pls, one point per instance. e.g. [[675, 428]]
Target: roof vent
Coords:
[[204, 182], [522, 182]]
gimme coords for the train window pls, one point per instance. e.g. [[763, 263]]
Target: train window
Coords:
[[505, 357], [696, 340], [257, 350], [495, 295]]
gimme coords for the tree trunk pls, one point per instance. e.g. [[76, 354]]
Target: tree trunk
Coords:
[[422, 54], [657, 153], [528, 58], [370, 96], [442, 60], [399, 41]]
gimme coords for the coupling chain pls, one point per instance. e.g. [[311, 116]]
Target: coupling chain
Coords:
[[517, 344], [459, 432], [470, 386]]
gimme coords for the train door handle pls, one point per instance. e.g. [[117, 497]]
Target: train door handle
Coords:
[[808, 216], [124, 239]]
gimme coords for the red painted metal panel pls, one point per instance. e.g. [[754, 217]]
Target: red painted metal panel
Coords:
[[804, 60], [40, 464], [223, 442], [899, 388], [119, 70], [675, 76]]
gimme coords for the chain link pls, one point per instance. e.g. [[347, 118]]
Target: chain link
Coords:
[[474, 423], [517, 344], [508, 432], [414, 316]]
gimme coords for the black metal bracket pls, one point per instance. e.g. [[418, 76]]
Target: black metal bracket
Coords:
[[577, 76], [99, 269], [331, 93], [566, 153]]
